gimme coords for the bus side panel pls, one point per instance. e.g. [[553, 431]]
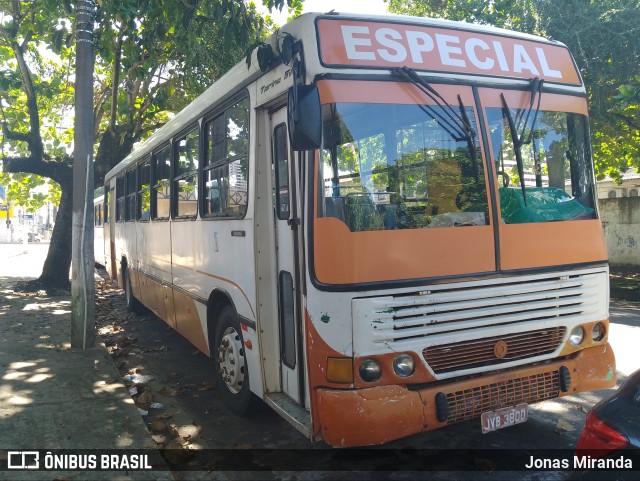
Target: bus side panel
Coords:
[[211, 255], [155, 262], [188, 321]]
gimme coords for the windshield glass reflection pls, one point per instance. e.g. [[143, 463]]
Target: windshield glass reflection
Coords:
[[387, 167], [557, 182]]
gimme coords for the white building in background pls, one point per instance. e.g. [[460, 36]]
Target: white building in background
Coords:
[[620, 213], [630, 186]]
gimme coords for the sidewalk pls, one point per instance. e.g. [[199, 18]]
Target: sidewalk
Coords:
[[54, 397]]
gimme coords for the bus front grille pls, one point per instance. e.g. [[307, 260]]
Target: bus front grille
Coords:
[[454, 327], [470, 403], [493, 350]]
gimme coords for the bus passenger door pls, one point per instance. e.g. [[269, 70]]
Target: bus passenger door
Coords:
[[286, 232]]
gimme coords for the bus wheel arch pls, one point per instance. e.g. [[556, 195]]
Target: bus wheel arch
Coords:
[[227, 349], [218, 300], [123, 268], [133, 304]]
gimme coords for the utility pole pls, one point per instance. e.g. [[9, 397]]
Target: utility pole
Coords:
[[82, 256]]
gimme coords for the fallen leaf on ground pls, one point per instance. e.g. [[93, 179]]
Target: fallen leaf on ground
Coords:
[[159, 439], [176, 392], [145, 397], [157, 426], [156, 349], [123, 352]]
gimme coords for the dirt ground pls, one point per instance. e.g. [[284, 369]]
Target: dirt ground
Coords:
[[625, 284], [172, 384]]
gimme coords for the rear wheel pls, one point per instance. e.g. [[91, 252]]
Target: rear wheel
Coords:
[[232, 375], [133, 304]]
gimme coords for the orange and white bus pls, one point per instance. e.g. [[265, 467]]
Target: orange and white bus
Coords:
[[390, 229]]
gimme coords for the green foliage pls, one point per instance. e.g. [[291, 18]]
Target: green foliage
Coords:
[[603, 38], [159, 54], [21, 190]]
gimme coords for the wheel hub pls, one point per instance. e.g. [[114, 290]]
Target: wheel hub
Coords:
[[231, 360]]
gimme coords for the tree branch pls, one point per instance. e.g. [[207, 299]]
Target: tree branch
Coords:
[[60, 172], [19, 136], [116, 77], [35, 141], [628, 120], [151, 128]]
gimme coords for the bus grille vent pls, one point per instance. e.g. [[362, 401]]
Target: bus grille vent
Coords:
[[470, 403], [483, 352]]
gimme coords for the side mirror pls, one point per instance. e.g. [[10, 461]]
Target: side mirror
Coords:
[[304, 117]]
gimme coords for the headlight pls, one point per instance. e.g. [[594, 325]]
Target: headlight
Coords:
[[597, 333], [370, 370], [403, 365], [577, 335]]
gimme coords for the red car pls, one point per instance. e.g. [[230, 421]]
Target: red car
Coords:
[[609, 445]]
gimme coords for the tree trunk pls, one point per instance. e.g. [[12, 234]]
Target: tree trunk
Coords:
[[114, 146], [55, 272]]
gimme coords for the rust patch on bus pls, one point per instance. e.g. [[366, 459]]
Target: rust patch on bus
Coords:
[[369, 416], [188, 321]]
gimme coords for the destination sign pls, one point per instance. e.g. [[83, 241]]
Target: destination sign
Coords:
[[385, 45]]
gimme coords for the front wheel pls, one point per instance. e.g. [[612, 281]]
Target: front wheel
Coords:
[[232, 375]]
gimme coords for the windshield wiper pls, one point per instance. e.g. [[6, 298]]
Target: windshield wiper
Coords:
[[518, 128], [456, 124]]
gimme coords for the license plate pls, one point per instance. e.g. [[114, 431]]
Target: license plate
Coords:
[[505, 417]]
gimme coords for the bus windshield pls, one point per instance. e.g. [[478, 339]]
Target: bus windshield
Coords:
[[400, 166], [558, 180]]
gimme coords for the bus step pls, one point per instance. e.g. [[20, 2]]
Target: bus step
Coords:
[[292, 412]]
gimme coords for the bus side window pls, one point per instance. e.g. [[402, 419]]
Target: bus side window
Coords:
[[185, 182], [106, 204], [120, 195], [130, 199], [226, 162], [160, 175], [144, 190]]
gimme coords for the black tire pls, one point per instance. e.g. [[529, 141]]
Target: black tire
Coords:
[[133, 304], [232, 375]]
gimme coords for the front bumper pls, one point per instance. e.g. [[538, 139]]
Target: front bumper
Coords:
[[383, 413]]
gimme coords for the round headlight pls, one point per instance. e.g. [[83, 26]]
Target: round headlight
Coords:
[[370, 370], [597, 333], [577, 335], [403, 365]]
